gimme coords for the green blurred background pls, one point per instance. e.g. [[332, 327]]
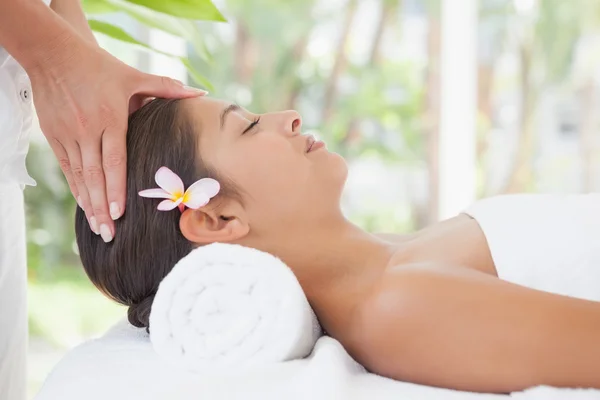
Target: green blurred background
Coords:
[[365, 76]]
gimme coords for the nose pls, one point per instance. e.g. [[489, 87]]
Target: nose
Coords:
[[292, 122]]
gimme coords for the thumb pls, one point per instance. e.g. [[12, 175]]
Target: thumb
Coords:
[[165, 87]]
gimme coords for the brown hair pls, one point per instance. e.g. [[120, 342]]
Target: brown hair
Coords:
[[147, 242]]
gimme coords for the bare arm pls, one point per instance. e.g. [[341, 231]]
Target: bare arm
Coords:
[[462, 329], [31, 32], [71, 11]]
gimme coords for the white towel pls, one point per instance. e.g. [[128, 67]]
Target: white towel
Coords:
[[123, 366], [546, 242], [229, 306]]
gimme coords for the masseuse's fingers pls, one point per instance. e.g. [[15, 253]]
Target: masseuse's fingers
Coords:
[[138, 101], [73, 154], [165, 87], [114, 161], [65, 166], [93, 173]]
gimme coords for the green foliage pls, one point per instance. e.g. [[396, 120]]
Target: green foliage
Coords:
[[50, 211], [67, 308], [556, 46], [116, 33], [186, 29], [176, 17], [99, 7], [119, 34], [200, 10], [388, 100], [188, 9], [558, 28]]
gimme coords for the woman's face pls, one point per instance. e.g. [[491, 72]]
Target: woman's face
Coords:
[[282, 182]]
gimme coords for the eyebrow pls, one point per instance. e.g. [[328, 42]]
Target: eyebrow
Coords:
[[226, 111]]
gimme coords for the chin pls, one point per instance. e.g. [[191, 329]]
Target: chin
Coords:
[[342, 167], [329, 175], [336, 171]]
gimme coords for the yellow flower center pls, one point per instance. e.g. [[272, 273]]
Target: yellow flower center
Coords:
[[176, 196]]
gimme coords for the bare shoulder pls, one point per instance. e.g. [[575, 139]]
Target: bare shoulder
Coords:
[[459, 328], [400, 298], [444, 225], [394, 237], [456, 241]]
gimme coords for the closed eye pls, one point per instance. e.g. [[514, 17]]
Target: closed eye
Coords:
[[251, 126]]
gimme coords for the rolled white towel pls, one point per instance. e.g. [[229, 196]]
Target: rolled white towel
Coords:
[[227, 305]]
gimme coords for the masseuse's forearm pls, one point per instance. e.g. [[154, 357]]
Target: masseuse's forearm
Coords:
[[34, 34], [71, 11]]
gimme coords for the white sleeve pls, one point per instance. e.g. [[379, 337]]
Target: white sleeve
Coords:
[[14, 119], [13, 299]]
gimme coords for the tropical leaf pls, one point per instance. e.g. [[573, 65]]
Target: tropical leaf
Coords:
[[98, 7], [114, 32], [117, 33], [187, 9], [183, 28], [196, 76]]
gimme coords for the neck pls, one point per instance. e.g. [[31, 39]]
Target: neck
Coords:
[[337, 265]]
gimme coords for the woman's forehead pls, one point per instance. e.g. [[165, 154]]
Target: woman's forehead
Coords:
[[206, 111]]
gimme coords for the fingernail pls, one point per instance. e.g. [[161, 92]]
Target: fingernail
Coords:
[[115, 211], [80, 203], [193, 89], [94, 225], [105, 233]]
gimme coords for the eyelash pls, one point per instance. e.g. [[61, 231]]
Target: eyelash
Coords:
[[251, 126]]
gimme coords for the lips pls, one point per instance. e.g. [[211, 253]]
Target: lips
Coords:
[[310, 141]]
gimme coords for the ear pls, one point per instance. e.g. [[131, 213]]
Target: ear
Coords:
[[209, 224]]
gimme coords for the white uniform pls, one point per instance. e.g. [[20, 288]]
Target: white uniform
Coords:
[[16, 114]]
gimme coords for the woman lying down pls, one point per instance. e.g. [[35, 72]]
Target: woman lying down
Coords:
[[438, 307]]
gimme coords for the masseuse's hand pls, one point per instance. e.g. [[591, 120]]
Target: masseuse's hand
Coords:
[[82, 97]]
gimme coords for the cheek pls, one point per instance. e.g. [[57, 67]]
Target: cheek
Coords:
[[271, 172]]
